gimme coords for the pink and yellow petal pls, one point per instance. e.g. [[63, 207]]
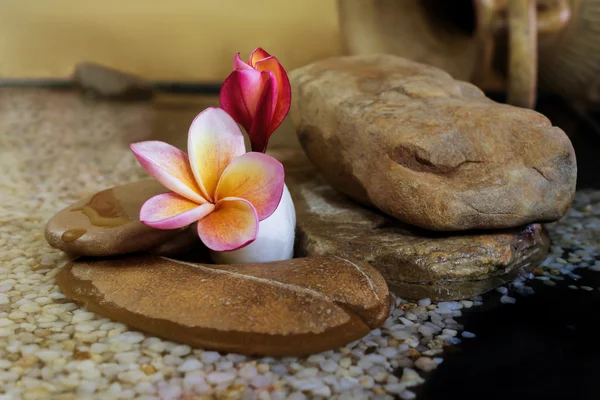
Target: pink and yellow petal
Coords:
[[232, 225], [214, 140], [239, 64], [255, 177], [171, 211], [284, 90], [257, 55], [260, 132], [240, 95], [170, 166]]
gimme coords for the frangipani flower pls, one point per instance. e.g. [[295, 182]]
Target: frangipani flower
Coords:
[[225, 189], [257, 95]]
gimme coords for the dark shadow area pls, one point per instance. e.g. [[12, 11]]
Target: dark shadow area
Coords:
[[546, 345], [451, 16], [543, 347]]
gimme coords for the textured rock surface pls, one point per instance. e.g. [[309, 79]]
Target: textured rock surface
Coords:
[[108, 223], [291, 307], [415, 263], [427, 149]]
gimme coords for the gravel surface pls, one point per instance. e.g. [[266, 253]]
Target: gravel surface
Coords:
[[52, 348]]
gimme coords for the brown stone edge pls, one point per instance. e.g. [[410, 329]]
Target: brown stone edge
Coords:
[[463, 289], [234, 342]]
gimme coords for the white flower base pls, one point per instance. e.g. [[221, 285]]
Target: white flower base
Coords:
[[275, 241]]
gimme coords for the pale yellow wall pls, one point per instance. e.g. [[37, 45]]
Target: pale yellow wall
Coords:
[[167, 40]]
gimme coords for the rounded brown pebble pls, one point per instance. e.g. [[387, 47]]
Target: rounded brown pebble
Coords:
[[108, 223]]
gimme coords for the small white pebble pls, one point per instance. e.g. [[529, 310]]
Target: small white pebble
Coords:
[[389, 352], [127, 337], [425, 302], [395, 388], [377, 358], [307, 373], [366, 381], [190, 365], [85, 327], [181, 350], [209, 357], [132, 376], [425, 364], [30, 308], [507, 300], [47, 355], [450, 305], [82, 316], [400, 334], [296, 396], [217, 378], [468, 335], [248, 371], [345, 362], [126, 357], [99, 348], [411, 378], [86, 388], [323, 391], [426, 330], [449, 332], [47, 260], [502, 290], [261, 381], [195, 380], [6, 286], [169, 392], [57, 295], [467, 303], [144, 388], [328, 366]]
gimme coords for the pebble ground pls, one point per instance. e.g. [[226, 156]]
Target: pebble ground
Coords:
[[52, 348]]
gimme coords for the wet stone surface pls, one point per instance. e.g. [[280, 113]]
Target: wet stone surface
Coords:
[[416, 263], [107, 223], [293, 307]]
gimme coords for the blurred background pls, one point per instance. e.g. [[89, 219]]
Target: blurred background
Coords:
[[542, 54], [176, 40]]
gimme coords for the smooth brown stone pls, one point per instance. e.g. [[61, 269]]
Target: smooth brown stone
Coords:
[[415, 263], [294, 307], [427, 149], [108, 223], [111, 83]]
